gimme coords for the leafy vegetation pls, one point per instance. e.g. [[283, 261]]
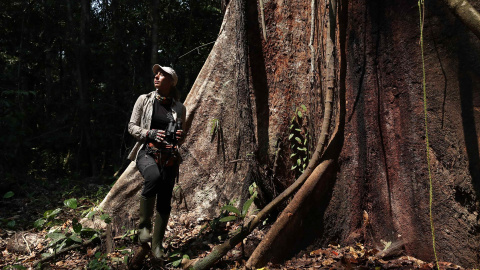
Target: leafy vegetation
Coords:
[[70, 79], [299, 139], [239, 214], [99, 262]]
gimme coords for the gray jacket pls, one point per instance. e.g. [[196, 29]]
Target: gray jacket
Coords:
[[141, 120]]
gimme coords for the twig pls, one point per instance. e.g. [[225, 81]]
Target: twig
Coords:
[[237, 160], [123, 236], [263, 20], [26, 243], [196, 48]]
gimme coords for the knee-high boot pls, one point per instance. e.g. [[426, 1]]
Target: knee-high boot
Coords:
[[161, 221], [145, 224]]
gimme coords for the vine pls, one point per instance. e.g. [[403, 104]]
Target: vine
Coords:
[[421, 10]]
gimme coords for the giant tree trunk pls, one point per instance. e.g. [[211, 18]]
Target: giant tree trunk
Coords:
[[383, 164], [382, 167], [219, 152]]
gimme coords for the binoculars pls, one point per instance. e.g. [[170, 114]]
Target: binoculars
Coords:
[[171, 132]]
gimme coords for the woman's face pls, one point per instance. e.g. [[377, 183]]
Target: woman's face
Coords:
[[163, 82]]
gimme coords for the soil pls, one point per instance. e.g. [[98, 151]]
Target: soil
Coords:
[[24, 245]]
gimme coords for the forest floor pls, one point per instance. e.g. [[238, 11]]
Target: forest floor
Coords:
[[40, 220]]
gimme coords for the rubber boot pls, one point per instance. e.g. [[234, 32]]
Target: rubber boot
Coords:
[[161, 221], [145, 224]]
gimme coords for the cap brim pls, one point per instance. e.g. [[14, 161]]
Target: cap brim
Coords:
[[156, 68]]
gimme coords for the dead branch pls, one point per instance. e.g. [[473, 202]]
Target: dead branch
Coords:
[[463, 10], [264, 30], [278, 229]]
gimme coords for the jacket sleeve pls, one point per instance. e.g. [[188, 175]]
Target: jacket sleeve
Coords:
[[184, 124], [134, 127]]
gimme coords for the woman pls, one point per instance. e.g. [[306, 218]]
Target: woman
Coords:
[[157, 123]]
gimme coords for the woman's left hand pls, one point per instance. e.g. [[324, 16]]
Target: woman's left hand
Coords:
[[179, 134]]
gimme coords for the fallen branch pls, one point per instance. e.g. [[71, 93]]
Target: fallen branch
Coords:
[[72, 247], [463, 10], [282, 228], [26, 243]]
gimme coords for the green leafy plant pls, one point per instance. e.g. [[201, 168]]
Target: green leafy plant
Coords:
[[99, 262], [106, 218], [48, 218], [11, 224], [60, 240], [126, 252], [237, 214], [92, 211], [8, 195], [131, 233], [299, 139], [178, 258], [71, 203]]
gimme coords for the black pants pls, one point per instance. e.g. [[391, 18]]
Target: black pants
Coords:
[[158, 181]]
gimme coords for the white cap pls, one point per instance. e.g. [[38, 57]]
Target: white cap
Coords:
[[168, 70]]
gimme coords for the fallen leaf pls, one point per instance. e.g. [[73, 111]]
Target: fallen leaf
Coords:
[[91, 252], [328, 261], [317, 252]]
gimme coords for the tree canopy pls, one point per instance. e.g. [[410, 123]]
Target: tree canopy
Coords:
[[71, 71]]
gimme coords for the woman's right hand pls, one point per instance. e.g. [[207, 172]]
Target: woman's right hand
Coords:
[[156, 134]]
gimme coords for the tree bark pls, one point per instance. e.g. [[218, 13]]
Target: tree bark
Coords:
[[291, 220], [381, 169]]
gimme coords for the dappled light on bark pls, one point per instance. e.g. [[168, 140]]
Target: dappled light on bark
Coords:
[[370, 185]]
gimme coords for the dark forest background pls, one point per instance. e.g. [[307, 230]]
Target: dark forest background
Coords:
[[72, 70]]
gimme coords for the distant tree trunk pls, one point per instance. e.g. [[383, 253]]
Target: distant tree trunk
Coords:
[[154, 35], [85, 150], [224, 4], [21, 74], [381, 168]]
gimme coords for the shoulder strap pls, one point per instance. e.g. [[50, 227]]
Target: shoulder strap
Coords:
[[177, 108]]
